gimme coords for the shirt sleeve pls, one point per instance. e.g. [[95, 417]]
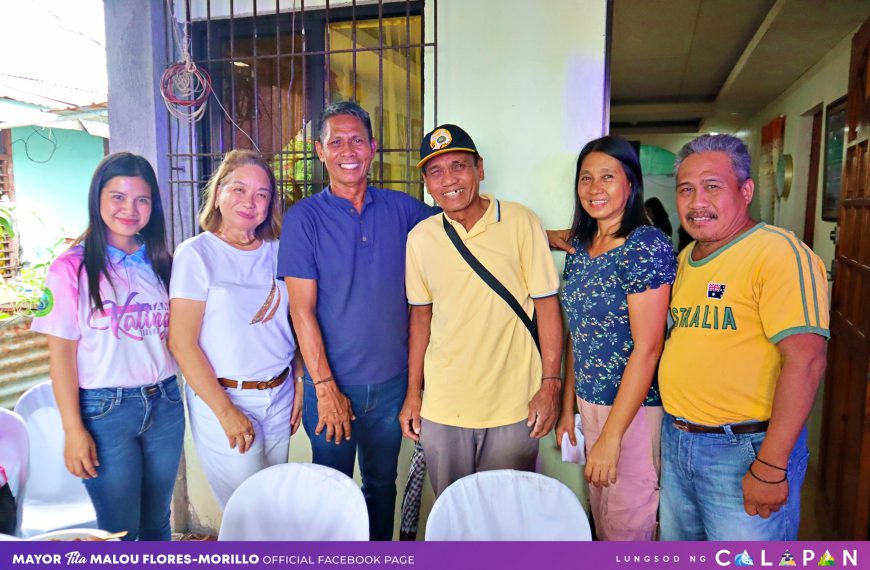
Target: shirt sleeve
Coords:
[[190, 278], [62, 303], [792, 289], [416, 288], [571, 260], [539, 269], [648, 261], [296, 251]]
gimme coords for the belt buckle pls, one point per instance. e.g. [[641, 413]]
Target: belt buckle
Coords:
[[150, 390], [681, 425], [264, 384]]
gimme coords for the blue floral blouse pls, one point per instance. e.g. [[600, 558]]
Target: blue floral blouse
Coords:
[[595, 298]]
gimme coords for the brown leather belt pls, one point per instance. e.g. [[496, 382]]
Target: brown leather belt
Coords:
[[753, 427], [252, 385]]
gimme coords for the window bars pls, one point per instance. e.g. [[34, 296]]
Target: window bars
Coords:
[[274, 66]]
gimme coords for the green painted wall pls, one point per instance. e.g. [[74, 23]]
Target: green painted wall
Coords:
[[51, 184]]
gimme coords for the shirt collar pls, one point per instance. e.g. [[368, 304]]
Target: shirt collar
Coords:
[[344, 203], [117, 256], [491, 216]]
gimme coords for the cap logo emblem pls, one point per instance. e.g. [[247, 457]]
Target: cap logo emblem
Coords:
[[440, 139]]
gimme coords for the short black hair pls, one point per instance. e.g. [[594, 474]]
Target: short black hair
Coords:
[[344, 108]]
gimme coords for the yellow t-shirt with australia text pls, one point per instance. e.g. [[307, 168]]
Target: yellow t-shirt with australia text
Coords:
[[721, 363]]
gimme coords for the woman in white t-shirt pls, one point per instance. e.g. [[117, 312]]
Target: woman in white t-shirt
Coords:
[[106, 314], [230, 328]]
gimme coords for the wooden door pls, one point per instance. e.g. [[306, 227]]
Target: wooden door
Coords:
[[843, 505], [813, 179]]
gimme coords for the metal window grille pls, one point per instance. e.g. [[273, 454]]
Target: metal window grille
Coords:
[[275, 65]]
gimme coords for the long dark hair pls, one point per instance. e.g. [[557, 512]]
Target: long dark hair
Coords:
[[584, 226], [659, 216], [94, 239]]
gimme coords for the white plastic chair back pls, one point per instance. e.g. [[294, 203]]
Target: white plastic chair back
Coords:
[[296, 501], [55, 498], [14, 457], [507, 505]]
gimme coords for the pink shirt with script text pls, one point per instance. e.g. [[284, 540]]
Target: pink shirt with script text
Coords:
[[124, 345]]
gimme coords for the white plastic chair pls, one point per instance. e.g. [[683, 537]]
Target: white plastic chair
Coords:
[[55, 498], [14, 457], [507, 505], [296, 501]]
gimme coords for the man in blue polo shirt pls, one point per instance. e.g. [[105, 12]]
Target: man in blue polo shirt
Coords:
[[342, 256]]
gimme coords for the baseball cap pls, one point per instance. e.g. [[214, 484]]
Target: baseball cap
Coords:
[[442, 139]]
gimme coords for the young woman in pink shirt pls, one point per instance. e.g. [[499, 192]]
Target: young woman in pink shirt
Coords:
[[112, 374]]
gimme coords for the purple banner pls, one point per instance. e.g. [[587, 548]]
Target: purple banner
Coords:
[[432, 555]]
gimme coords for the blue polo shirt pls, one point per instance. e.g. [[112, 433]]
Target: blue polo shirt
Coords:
[[358, 260]]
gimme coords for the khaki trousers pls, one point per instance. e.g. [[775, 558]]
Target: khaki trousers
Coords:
[[453, 452]]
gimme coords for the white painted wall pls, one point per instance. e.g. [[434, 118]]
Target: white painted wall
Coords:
[[824, 83], [526, 80]]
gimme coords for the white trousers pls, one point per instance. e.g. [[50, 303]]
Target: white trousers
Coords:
[[225, 468]]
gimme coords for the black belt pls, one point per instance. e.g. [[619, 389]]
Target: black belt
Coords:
[[751, 427]]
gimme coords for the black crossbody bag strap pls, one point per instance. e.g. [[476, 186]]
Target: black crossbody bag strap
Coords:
[[490, 280]]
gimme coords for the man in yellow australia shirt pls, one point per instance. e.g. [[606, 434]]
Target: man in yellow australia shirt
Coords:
[[490, 395], [742, 364]]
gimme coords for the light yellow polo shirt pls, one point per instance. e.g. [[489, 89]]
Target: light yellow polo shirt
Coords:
[[481, 367], [721, 363]]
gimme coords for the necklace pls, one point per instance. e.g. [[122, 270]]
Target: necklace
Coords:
[[224, 237]]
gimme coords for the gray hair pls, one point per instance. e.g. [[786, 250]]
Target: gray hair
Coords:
[[731, 145], [344, 108]]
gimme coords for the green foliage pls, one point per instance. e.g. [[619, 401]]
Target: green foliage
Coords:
[[24, 294], [6, 228]]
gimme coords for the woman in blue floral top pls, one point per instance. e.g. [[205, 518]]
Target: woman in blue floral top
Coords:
[[616, 293]]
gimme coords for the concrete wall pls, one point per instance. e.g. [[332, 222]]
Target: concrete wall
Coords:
[[528, 85], [51, 185], [136, 57], [823, 84]]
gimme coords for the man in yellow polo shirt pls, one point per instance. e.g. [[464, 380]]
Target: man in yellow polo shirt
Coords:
[[489, 393], [742, 364]]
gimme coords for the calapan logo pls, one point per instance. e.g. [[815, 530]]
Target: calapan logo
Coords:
[[743, 559], [827, 559], [804, 558], [46, 303], [440, 139]]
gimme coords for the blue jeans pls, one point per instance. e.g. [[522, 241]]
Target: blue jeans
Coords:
[[702, 493], [139, 433], [377, 434]]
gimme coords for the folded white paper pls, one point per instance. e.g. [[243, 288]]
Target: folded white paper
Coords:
[[574, 453]]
